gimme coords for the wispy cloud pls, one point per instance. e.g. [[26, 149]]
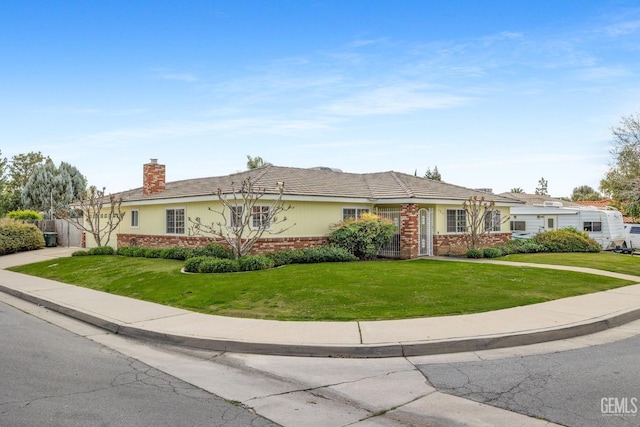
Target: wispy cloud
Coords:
[[398, 99]]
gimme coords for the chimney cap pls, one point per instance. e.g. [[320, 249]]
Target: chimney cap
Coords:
[[154, 161]]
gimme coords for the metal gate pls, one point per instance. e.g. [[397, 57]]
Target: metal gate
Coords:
[[391, 249], [425, 232]]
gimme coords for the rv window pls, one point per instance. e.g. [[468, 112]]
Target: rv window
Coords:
[[518, 226], [635, 230], [592, 226], [550, 224]]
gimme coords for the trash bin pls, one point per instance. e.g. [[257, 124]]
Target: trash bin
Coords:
[[50, 239]]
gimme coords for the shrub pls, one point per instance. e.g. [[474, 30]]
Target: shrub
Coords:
[[176, 253], [80, 253], [286, 256], [363, 237], [192, 265], [474, 253], [16, 236], [214, 250], [327, 254], [255, 262], [152, 253], [567, 240], [522, 246], [131, 251], [218, 265], [24, 215], [492, 252], [101, 250]]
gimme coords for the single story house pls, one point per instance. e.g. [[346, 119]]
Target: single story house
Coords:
[[428, 214]]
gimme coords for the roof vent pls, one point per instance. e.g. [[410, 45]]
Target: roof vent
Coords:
[[551, 204]]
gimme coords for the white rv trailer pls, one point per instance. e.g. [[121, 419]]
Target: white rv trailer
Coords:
[[605, 226]]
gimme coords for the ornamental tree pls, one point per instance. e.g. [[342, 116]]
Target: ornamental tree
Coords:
[[248, 212]]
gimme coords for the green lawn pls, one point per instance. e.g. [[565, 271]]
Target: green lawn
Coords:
[[331, 291], [608, 261]]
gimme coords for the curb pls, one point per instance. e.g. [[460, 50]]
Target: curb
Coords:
[[399, 349]]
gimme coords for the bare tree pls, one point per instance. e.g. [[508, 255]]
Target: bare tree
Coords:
[[89, 216], [482, 218], [245, 217]]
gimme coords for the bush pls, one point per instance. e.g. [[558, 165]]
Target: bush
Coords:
[[255, 262], [207, 264], [192, 265], [327, 254], [522, 246], [567, 240], [286, 256], [474, 253], [492, 252], [131, 251], [176, 253], [16, 236], [24, 215], [363, 237], [153, 253], [101, 250], [80, 253], [214, 250]]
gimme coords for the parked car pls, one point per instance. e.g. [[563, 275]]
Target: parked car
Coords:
[[632, 235]]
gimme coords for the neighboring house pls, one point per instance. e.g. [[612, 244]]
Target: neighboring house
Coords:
[[429, 214]]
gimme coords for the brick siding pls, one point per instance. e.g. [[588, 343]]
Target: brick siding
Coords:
[[457, 244], [409, 231], [262, 246]]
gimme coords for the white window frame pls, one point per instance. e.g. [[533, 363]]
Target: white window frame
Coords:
[[460, 221], [135, 214], [175, 228], [513, 227], [359, 210], [494, 221], [258, 212], [235, 217]]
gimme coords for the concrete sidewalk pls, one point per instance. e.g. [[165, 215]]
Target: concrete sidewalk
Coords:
[[531, 324]]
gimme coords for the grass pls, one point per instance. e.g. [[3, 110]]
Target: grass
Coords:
[[329, 292], [608, 261]]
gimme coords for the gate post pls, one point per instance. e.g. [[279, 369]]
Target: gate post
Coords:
[[409, 231]]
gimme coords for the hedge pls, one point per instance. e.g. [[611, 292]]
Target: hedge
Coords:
[[16, 236]]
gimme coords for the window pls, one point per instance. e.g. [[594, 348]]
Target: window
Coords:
[[353, 213], [492, 221], [518, 226], [235, 217], [550, 223], [135, 216], [635, 230], [456, 220], [592, 226], [175, 221], [260, 216]]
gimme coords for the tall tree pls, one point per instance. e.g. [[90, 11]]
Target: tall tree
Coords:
[[255, 162], [543, 187], [51, 188], [433, 175], [19, 170], [622, 181], [585, 192]]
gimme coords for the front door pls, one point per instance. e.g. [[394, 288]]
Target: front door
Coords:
[[425, 232]]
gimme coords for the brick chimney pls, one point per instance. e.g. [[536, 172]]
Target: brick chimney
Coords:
[[153, 178]]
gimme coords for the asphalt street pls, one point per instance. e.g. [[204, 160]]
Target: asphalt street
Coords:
[[594, 386], [50, 376]]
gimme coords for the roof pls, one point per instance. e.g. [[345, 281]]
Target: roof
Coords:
[[316, 182], [597, 203], [537, 199]]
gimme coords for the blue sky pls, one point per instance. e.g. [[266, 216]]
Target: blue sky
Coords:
[[495, 93]]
